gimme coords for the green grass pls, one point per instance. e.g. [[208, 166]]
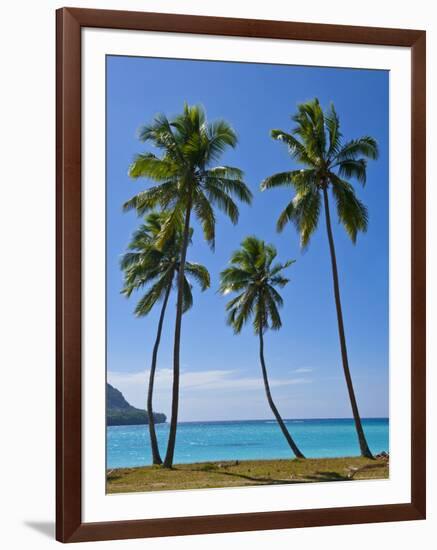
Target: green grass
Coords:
[[243, 473]]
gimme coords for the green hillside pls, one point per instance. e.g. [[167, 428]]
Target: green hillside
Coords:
[[120, 413]]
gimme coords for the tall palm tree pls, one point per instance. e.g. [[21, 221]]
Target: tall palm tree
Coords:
[[329, 164], [186, 184], [254, 276], [156, 269]]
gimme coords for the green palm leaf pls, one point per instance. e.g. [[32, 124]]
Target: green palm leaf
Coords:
[[353, 168], [183, 172], [332, 123], [253, 273], [351, 211], [187, 302], [152, 295], [317, 143], [199, 273], [205, 214], [365, 146], [149, 265]]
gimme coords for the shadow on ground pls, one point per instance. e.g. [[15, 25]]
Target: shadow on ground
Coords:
[[327, 476], [46, 528], [266, 480]]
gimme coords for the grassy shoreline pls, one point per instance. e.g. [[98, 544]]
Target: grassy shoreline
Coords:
[[203, 475]]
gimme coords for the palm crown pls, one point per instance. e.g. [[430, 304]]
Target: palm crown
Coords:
[[317, 143], [185, 179], [254, 275], [147, 266]]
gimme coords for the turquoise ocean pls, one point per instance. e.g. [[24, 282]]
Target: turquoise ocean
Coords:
[[129, 446]]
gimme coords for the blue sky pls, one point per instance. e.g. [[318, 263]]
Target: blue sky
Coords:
[[220, 373]]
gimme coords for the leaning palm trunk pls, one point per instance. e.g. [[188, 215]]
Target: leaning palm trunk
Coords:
[[156, 457], [168, 461], [275, 411], [365, 451]]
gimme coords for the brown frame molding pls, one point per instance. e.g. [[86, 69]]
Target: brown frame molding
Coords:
[[69, 526]]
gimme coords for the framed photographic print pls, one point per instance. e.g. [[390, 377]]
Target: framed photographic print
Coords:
[[240, 275]]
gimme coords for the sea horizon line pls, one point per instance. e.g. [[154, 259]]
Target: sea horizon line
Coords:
[[274, 421]]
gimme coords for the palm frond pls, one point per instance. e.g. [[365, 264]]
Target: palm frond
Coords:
[[159, 196], [353, 169], [311, 128], [161, 134], [188, 144], [365, 146], [199, 273], [306, 215], [281, 179], [153, 268], [217, 197], [271, 305], [220, 137], [153, 295], [233, 279], [253, 275], [278, 267], [149, 166], [296, 149], [226, 172], [172, 224], [231, 186], [351, 211], [239, 316], [287, 215], [332, 123], [206, 216], [279, 280], [128, 259], [187, 296]]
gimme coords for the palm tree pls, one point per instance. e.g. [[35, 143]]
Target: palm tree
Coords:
[[187, 184], [329, 164], [156, 269], [254, 276]]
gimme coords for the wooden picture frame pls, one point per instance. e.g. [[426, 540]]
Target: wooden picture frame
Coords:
[[69, 525]]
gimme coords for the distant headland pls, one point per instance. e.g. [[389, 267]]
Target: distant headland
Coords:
[[120, 413]]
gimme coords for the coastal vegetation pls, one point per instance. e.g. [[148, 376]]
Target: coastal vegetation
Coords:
[[254, 274], [187, 185], [329, 164], [155, 270], [120, 413]]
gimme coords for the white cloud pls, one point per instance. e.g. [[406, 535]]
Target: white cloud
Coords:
[[221, 392], [202, 380], [303, 370]]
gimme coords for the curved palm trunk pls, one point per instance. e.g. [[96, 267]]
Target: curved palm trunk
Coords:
[[168, 461], [275, 411], [156, 457], [365, 451]]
